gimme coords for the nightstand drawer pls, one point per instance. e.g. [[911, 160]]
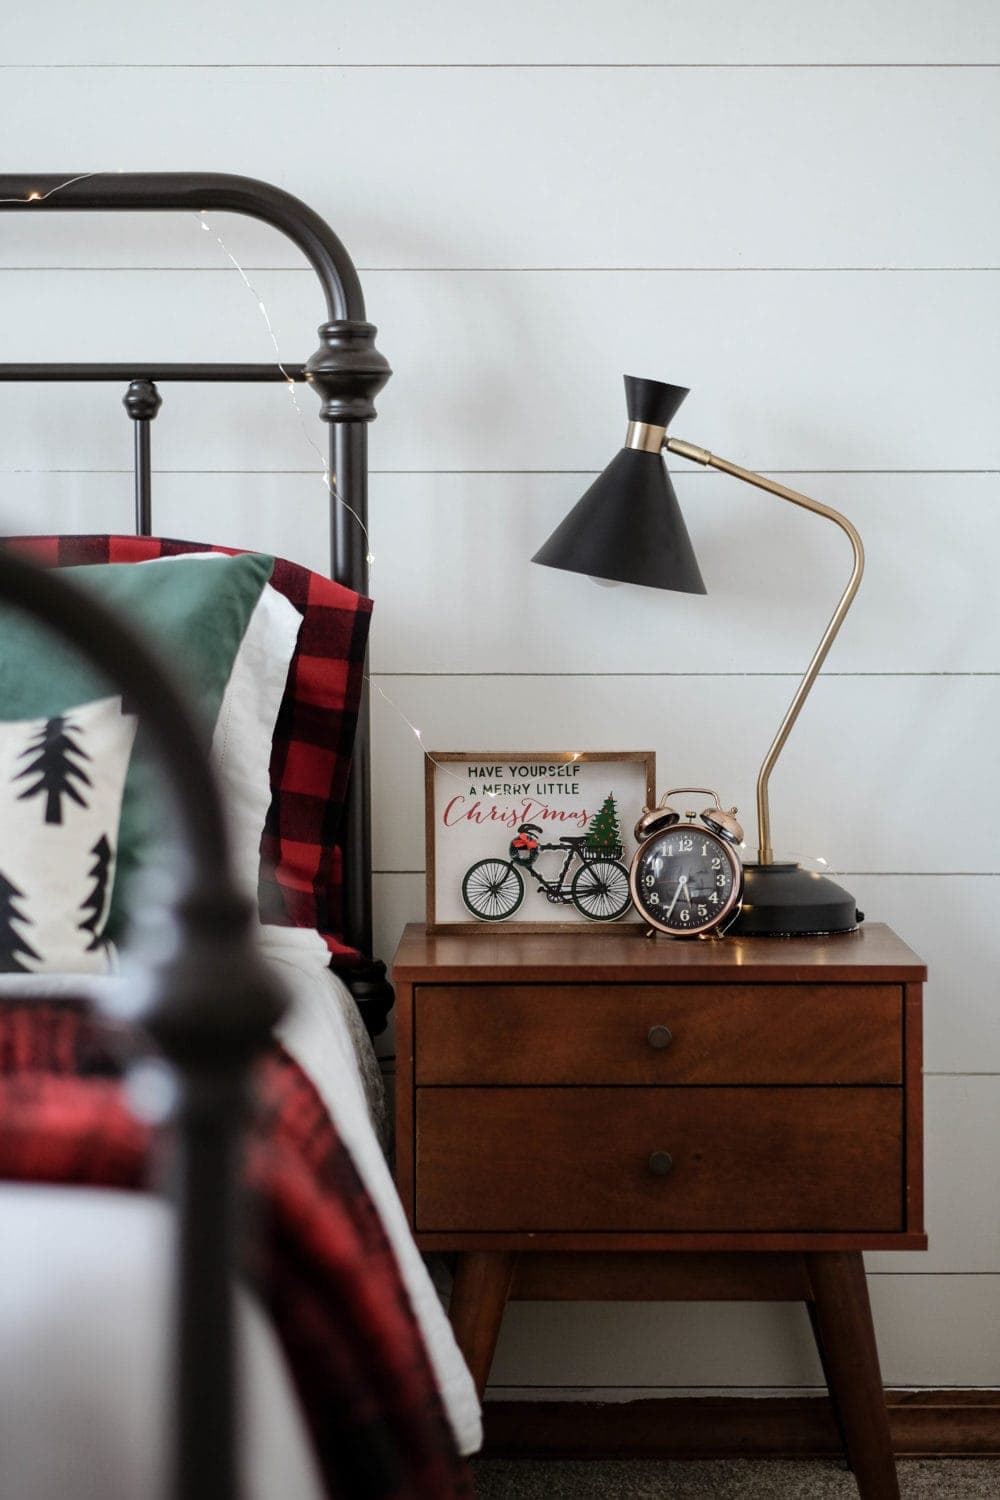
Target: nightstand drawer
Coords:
[[645, 1159], [659, 1033]]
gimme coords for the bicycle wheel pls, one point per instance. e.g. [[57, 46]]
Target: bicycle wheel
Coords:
[[492, 889], [600, 890]]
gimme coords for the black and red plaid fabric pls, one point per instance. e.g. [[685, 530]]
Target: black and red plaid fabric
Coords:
[[300, 873], [321, 1263]]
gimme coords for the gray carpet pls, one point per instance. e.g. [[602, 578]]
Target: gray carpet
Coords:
[[738, 1479]]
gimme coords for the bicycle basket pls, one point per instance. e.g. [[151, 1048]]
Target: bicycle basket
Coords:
[[601, 851]]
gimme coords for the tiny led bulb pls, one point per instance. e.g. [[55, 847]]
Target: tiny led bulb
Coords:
[[34, 197]]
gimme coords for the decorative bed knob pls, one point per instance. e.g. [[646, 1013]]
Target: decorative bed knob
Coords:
[[659, 1037], [660, 1163]]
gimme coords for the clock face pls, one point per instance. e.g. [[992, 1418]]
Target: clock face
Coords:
[[686, 880]]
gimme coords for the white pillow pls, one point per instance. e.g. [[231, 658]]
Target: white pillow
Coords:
[[241, 743], [61, 786]]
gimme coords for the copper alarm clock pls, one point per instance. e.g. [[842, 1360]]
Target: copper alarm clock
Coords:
[[686, 878]]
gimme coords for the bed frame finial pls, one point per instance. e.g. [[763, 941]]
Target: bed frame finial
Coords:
[[347, 371]]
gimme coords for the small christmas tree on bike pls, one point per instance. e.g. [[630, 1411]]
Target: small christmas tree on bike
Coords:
[[604, 835]]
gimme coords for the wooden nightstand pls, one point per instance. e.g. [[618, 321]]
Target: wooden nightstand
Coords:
[[571, 1107]]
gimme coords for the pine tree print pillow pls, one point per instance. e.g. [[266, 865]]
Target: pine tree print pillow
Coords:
[[61, 785]]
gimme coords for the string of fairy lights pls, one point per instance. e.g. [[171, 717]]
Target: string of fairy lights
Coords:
[[328, 476]]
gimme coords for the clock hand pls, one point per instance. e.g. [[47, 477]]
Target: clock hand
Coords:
[[682, 881]]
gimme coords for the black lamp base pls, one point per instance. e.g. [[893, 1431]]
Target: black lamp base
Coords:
[[783, 900]]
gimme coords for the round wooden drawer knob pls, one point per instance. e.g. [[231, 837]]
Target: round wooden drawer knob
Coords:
[[660, 1163], [659, 1037]]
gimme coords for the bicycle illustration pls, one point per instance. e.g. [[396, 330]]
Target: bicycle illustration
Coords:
[[493, 889]]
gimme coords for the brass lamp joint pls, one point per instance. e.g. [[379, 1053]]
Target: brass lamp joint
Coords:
[[689, 450], [645, 436]]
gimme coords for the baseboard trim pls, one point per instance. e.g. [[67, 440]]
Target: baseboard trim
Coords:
[[924, 1424]]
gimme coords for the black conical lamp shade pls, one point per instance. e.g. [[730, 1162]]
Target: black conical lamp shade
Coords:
[[628, 527]]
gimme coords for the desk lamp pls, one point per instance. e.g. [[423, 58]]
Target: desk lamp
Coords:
[[628, 528]]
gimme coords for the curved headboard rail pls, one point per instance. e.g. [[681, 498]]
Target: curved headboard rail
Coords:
[[198, 192], [347, 371]]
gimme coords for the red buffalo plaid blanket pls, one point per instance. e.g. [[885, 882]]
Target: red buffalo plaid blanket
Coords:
[[320, 1262]]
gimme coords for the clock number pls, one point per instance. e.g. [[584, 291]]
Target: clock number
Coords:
[[653, 899], [714, 899], [720, 879], [703, 911], [649, 880], [685, 916], [685, 845], [704, 851], [716, 864]]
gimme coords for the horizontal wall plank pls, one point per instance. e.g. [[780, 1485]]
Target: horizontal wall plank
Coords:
[[857, 784], [932, 1331], [454, 31], [498, 370], [284, 514], [455, 588], [463, 544], [952, 924], [423, 193]]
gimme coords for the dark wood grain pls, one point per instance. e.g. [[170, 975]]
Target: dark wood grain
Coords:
[[577, 1159], [850, 1358], [922, 1424], [405, 1062], [670, 1241], [720, 1033], [913, 1023], [478, 1299], [789, 1097], [873, 953], [648, 1277]]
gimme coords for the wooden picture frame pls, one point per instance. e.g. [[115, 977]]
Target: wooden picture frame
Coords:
[[475, 802]]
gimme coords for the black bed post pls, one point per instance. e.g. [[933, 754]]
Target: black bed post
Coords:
[[142, 401], [347, 372], [349, 565]]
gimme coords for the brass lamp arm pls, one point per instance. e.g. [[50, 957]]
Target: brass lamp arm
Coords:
[[702, 456]]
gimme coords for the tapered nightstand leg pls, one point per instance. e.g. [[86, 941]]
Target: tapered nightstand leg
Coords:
[[835, 1405], [482, 1281], [844, 1323]]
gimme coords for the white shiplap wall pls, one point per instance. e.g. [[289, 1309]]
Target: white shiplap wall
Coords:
[[790, 207]]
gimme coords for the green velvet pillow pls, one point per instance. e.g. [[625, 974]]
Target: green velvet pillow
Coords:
[[194, 612]]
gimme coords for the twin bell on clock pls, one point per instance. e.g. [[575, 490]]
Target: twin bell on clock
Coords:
[[686, 878]]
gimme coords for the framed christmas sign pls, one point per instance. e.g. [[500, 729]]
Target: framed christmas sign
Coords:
[[533, 840]]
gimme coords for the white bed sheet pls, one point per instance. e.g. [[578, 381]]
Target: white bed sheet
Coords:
[[318, 1035], [85, 1305], [323, 1033]]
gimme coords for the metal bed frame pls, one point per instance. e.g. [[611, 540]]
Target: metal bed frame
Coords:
[[213, 1003], [346, 371]]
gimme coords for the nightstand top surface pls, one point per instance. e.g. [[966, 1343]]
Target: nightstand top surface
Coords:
[[874, 951]]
